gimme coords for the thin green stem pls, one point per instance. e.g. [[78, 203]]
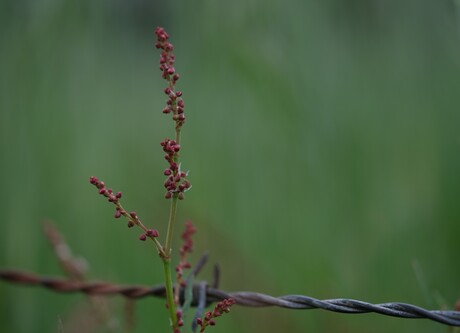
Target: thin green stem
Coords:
[[167, 264], [170, 293], [172, 221]]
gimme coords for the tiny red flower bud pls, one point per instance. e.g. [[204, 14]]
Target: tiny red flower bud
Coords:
[[180, 323], [130, 224], [93, 180], [212, 322], [142, 237], [102, 191], [168, 195], [118, 195], [176, 77], [171, 70], [199, 321], [181, 196], [178, 93], [180, 103], [166, 110], [152, 233], [167, 172], [133, 215], [167, 91], [117, 214], [181, 116]]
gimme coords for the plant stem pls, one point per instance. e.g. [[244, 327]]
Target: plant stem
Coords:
[[172, 221], [170, 293], [167, 264]]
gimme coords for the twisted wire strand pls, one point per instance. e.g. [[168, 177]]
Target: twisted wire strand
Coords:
[[250, 299]]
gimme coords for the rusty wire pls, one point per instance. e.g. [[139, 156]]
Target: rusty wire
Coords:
[[250, 299]]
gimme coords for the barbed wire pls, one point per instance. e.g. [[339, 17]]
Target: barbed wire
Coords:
[[205, 295]]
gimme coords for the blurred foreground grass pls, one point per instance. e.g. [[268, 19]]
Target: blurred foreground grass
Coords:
[[322, 138]]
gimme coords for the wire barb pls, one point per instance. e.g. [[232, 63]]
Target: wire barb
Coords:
[[250, 299]]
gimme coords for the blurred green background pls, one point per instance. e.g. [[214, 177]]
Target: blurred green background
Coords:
[[322, 141]]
